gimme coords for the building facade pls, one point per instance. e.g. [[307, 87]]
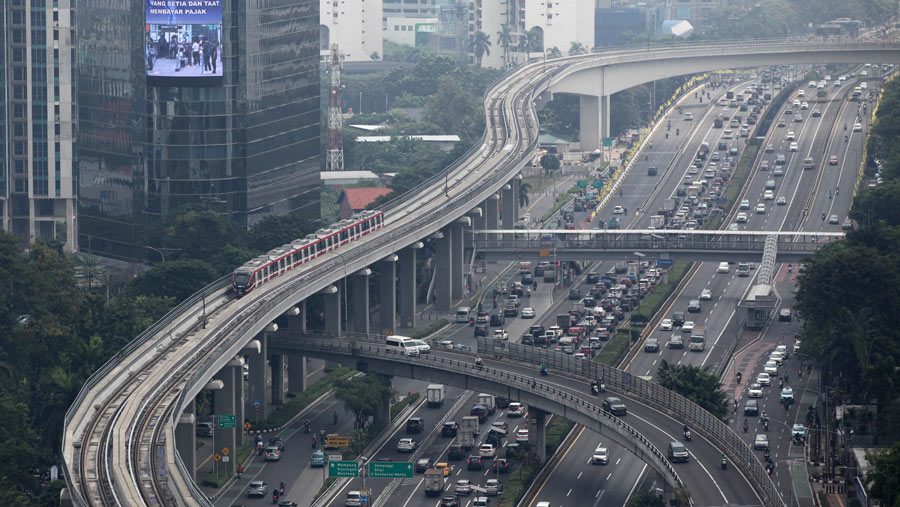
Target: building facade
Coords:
[[242, 140], [354, 25], [37, 181]]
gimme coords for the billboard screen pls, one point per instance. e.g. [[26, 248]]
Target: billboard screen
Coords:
[[183, 39]]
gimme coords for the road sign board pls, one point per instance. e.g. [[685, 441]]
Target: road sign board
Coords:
[[607, 142], [597, 184], [664, 263], [545, 252], [227, 421], [581, 183], [217, 456], [337, 441], [343, 469], [247, 425], [225, 451], [256, 403], [390, 470]]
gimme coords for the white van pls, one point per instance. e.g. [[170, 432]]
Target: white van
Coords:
[[723, 268], [401, 344], [463, 314]]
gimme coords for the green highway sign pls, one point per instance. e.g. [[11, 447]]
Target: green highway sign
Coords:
[[389, 470], [343, 469], [581, 183], [227, 421], [597, 184], [607, 142]]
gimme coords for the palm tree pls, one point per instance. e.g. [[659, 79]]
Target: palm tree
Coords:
[[524, 45], [524, 188], [535, 39], [577, 48], [481, 45], [554, 52], [504, 38]]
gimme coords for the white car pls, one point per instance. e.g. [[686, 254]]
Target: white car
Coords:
[[790, 136], [782, 200], [500, 334], [618, 210], [522, 435], [688, 116], [406, 445], [760, 209], [527, 313], [768, 195], [723, 268], [741, 218], [771, 368], [665, 325], [487, 451], [515, 409], [778, 357], [463, 487], [755, 390], [706, 295], [424, 348], [764, 379], [688, 326], [601, 456], [794, 147], [857, 127], [761, 442]]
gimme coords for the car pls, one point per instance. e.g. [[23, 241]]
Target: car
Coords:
[[751, 407], [782, 350], [794, 147], [798, 429], [615, 406], [780, 159], [770, 148], [781, 201], [781, 122], [493, 487], [857, 127], [257, 489], [706, 295], [501, 466], [761, 442], [415, 425], [688, 326], [755, 390], [665, 325], [272, 454], [522, 435], [777, 356], [463, 487], [745, 204], [741, 218], [764, 379], [677, 318], [768, 195], [449, 429], [317, 459], [798, 118], [444, 467], [487, 451], [761, 208], [618, 210], [678, 452], [455, 452], [688, 116], [693, 306], [790, 136], [501, 334], [449, 501], [816, 113], [787, 395], [652, 345], [771, 367], [600, 456], [423, 464], [676, 342], [474, 462], [515, 409], [277, 442], [833, 160], [291, 503], [406, 445], [527, 313], [480, 330], [833, 220], [784, 315]]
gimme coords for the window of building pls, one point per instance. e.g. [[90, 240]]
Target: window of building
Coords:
[[18, 36]]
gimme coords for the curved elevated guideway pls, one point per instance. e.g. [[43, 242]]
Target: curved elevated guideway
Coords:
[[119, 440]]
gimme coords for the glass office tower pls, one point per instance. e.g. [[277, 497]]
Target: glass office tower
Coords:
[[217, 108]]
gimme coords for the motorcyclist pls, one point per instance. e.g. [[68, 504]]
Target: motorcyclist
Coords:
[[746, 426], [845, 125], [739, 375], [335, 417], [823, 216], [313, 441], [478, 361], [846, 138], [543, 369], [677, 131], [306, 426], [790, 267], [829, 194], [240, 471]]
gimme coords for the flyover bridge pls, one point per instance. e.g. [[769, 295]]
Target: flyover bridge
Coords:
[[129, 435], [690, 245]]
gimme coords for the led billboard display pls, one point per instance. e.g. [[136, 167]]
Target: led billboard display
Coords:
[[183, 39]]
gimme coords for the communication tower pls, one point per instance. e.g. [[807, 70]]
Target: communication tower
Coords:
[[335, 158]]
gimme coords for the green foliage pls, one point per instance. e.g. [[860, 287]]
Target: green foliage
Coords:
[[430, 329], [394, 52], [463, 117], [274, 231], [281, 415], [177, 279], [198, 233], [884, 479], [363, 396], [550, 162], [398, 407], [884, 136], [879, 204], [481, 45], [695, 384], [645, 498]]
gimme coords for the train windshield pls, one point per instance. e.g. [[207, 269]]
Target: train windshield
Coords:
[[242, 279]]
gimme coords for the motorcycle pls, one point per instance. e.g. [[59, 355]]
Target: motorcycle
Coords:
[[275, 497], [313, 442], [677, 131], [478, 362], [790, 268], [781, 382], [823, 217], [724, 463], [543, 371], [739, 377], [846, 138], [745, 426], [595, 389], [281, 491], [687, 435], [306, 427], [845, 126], [766, 426], [766, 455]]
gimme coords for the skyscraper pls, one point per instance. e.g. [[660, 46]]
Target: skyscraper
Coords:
[[215, 105], [37, 183]]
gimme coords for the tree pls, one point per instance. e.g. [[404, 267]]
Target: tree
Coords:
[[374, 55], [505, 39], [481, 45], [884, 476], [645, 498], [524, 45], [199, 232], [695, 384], [363, 396], [577, 48], [274, 231], [535, 39], [455, 110], [178, 279], [549, 162], [524, 188], [554, 52]]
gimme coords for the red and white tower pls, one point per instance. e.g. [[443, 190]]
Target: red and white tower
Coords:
[[335, 158]]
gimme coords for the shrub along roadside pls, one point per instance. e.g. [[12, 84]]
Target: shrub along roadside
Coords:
[[281, 415], [217, 480], [519, 480]]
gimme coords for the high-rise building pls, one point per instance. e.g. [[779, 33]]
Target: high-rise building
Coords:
[[354, 25], [215, 105], [37, 182]]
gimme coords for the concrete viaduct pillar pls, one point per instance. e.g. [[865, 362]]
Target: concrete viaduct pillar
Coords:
[[458, 258], [186, 439], [594, 124], [387, 293], [509, 205], [225, 386], [444, 271], [360, 305], [407, 283], [257, 406], [537, 432], [332, 296], [278, 366], [492, 213], [297, 371]]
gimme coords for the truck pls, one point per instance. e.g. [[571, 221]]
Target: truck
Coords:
[[564, 320], [487, 400], [465, 436], [435, 395], [668, 207], [434, 482], [657, 221], [525, 268], [698, 339], [550, 273]]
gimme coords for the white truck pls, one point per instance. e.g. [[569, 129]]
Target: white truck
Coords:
[[487, 399], [435, 395], [657, 222], [467, 432], [434, 482], [698, 339]]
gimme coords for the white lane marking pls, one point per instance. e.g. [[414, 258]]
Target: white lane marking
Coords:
[[569, 493], [579, 475], [637, 480]]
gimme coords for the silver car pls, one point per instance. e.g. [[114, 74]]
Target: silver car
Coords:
[[257, 488]]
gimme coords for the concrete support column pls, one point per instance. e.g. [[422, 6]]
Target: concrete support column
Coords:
[[509, 206], [475, 216], [387, 293], [537, 432], [186, 440], [444, 267], [516, 184], [231, 377], [333, 319], [458, 259], [297, 370], [492, 214], [238, 403], [407, 294], [257, 406], [594, 124], [360, 304], [384, 410], [278, 362]]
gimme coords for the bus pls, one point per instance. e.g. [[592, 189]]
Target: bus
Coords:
[[821, 95]]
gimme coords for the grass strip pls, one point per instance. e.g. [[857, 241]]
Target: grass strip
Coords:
[[561, 201], [520, 479], [217, 480], [281, 415], [398, 407], [430, 329]]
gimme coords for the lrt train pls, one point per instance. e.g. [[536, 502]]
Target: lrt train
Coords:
[[284, 258]]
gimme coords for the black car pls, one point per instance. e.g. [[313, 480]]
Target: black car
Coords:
[[676, 342], [593, 277], [455, 452], [678, 319], [449, 429], [501, 466], [527, 280], [449, 501], [424, 464], [511, 311], [590, 302], [784, 315], [615, 406], [415, 425], [751, 408], [497, 318], [482, 330], [475, 463], [574, 294], [511, 450], [501, 402], [277, 442]]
